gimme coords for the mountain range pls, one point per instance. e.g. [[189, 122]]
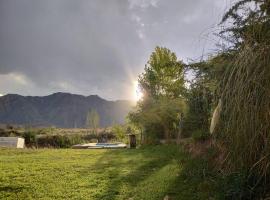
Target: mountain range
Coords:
[[63, 110]]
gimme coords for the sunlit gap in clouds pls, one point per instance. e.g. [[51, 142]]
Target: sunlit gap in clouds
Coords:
[[134, 92], [137, 92]]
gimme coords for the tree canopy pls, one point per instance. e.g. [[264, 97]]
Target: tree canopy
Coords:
[[92, 119], [162, 84], [163, 75]]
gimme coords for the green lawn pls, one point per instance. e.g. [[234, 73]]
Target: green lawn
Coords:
[[146, 173]]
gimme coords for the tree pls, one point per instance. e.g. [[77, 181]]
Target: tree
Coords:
[[92, 120], [249, 21], [162, 84], [199, 100], [204, 92], [160, 119], [163, 75], [119, 131]]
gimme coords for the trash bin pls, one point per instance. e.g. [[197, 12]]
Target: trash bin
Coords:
[[132, 141]]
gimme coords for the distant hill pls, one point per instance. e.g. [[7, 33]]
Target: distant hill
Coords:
[[60, 110]]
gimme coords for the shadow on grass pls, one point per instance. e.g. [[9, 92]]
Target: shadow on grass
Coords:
[[118, 172], [12, 192], [126, 174], [151, 173], [133, 174], [15, 189], [197, 180]]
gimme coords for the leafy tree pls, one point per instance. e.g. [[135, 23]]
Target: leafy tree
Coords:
[[199, 100], [120, 132], [159, 120], [92, 120], [204, 91], [249, 20], [163, 75], [162, 84]]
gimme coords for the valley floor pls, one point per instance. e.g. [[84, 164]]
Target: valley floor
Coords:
[[145, 173]]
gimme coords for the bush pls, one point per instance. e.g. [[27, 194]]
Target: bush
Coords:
[[59, 141], [3, 133], [30, 138], [200, 135], [9, 131], [241, 185], [120, 132], [102, 136]]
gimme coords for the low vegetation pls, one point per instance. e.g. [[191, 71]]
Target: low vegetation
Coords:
[[64, 138]]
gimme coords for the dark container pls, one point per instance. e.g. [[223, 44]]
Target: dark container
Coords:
[[132, 141]]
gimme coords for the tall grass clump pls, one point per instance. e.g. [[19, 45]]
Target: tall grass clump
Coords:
[[245, 95], [246, 112], [30, 138]]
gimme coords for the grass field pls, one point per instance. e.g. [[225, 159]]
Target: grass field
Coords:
[[146, 173]]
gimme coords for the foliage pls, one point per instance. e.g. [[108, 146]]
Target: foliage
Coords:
[[102, 136], [163, 75], [120, 132], [30, 138], [199, 100], [92, 120], [246, 110], [9, 131], [47, 131], [159, 119], [239, 77], [59, 141], [249, 21], [244, 93], [203, 93], [162, 85]]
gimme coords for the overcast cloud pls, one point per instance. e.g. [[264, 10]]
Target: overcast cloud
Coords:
[[97, 46]]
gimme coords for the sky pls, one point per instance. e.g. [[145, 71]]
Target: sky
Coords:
[[98, 47]]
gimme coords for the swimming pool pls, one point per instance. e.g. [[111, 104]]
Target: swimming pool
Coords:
[[100, 146]]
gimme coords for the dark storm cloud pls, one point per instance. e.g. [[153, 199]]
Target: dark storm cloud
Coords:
[[95, 46]]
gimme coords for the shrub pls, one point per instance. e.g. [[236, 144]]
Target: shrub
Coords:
[[102, 136], [241, 185], [59, 141], [3, 133], [9, 131], [120, 132], [30, 138]]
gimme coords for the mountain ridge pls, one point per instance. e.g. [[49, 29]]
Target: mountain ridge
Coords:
[[61, 109]]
